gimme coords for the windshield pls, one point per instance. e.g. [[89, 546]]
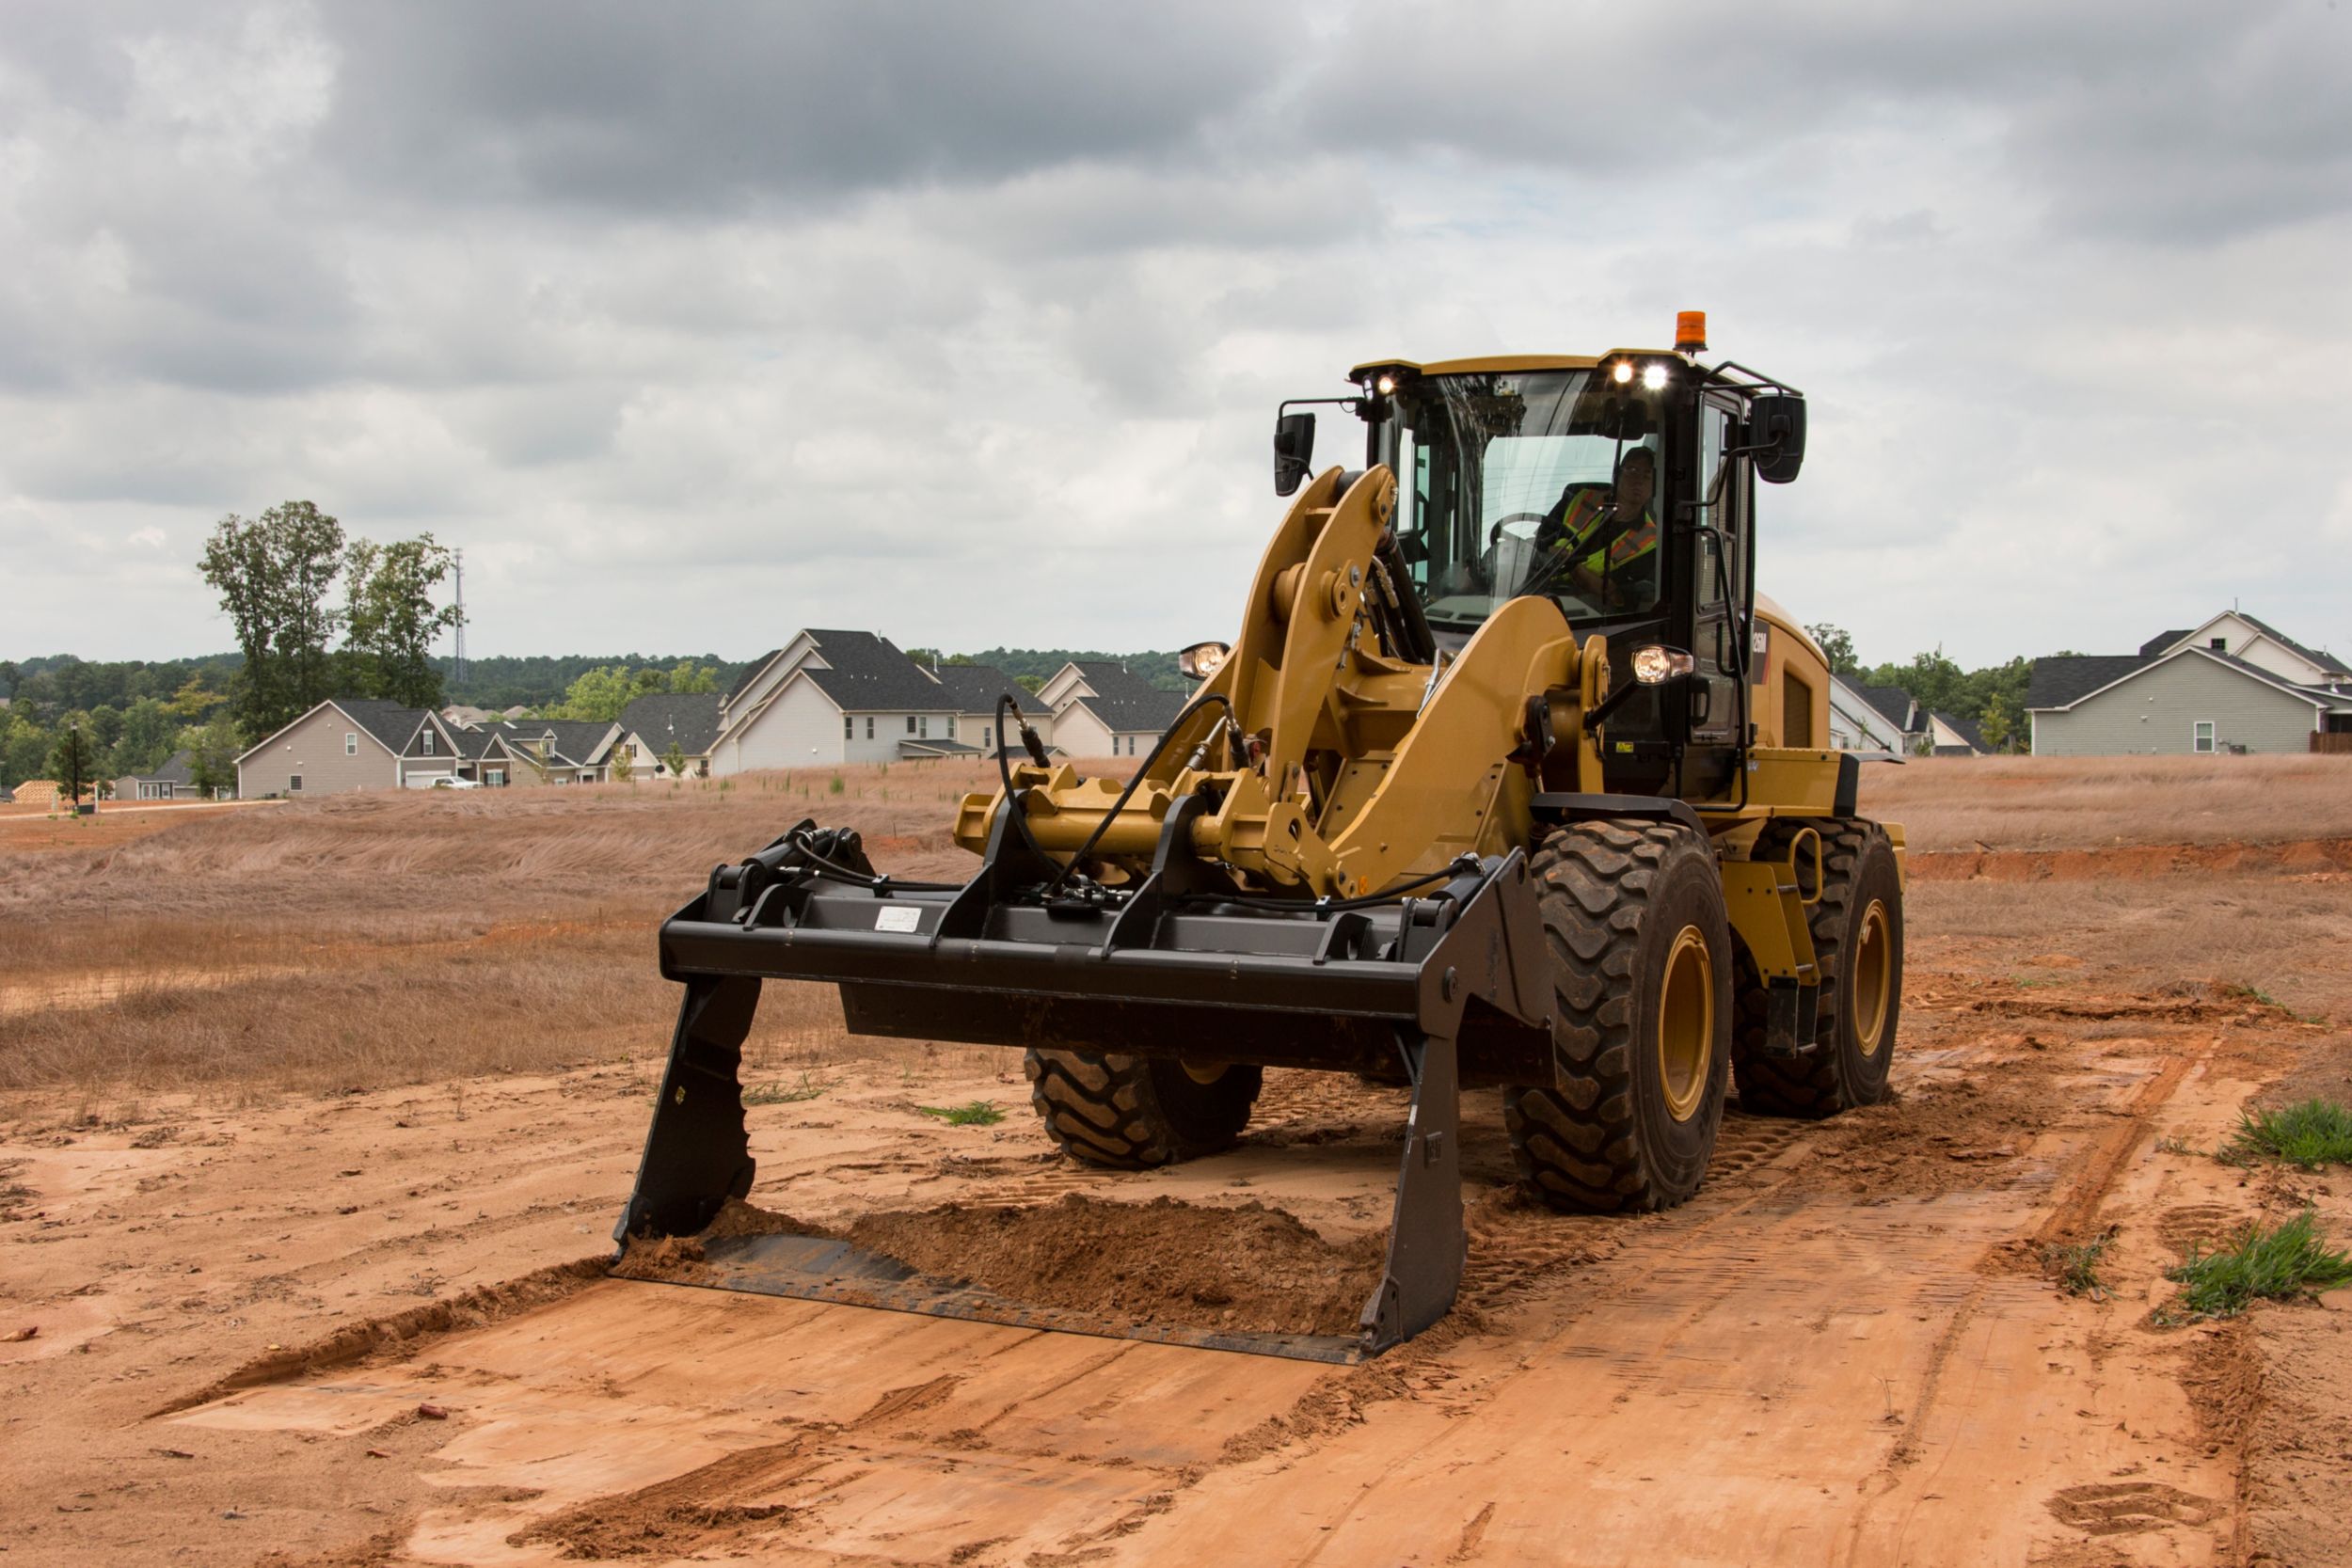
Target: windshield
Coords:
[[1536, 483]]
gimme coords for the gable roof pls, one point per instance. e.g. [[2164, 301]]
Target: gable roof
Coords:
[[750, 673], [2327, 661], [974, 687], [1892, 703], [1964, 728], [388, 724], [2060, 680], [2164, 641], [2319, 698], [867, 674], [1124, 701], [690, 719], [573, 742]]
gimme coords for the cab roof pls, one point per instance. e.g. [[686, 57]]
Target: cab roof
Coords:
[[1497, 363]]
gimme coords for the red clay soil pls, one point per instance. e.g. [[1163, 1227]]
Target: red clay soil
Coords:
[[1246, 1268]]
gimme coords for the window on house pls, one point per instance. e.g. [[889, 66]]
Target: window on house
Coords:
[[2218, 644], [924, 731], [2201, 736], [294, 784], [428, 743], [909, 723], [495, 778], [351, 743], [869, 727], [848, 728]]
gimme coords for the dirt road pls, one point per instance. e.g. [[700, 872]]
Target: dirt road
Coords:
[[1844, 1350], [373, 1328]]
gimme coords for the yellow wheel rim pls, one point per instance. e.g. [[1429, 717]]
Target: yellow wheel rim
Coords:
[[1686, 1022], [1208, 1074], [1873, 978]]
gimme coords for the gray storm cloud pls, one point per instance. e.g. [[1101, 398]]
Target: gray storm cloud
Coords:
[[966, 323]]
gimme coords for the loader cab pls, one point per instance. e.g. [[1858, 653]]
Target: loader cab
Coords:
[[1527, 475]]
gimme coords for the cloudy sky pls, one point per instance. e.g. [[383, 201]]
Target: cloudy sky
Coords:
[[965, 323]]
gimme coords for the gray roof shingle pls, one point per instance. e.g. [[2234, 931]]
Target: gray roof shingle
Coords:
[[688, 718], [2326, 661], [1966, 728], [974, 687], [1125, 702], [750, 672], [388, 722], [1893, 703], [2163, 642], [867, 674], [2062, 678]]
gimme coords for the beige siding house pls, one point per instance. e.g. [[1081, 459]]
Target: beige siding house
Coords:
[[348, 744], [829, 697], [1102, 709]]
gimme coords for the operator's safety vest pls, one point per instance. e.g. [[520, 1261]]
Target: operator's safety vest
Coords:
[[1585, 514]]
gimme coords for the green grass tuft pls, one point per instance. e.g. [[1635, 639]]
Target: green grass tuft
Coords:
[[979, 1113], [2277, 1262], [2309, 1133], [2076, 1268], [776, 1094]]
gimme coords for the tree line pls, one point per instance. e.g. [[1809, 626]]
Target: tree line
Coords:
[[1992, 698]]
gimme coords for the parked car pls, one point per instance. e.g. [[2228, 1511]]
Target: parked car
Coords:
[[457, 784]]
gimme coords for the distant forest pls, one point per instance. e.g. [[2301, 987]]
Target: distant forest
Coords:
[[67, 684]]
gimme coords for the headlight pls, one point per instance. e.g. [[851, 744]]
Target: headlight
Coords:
[[1203, 660], [1654, 377], [1654, 666], [1624, 372]]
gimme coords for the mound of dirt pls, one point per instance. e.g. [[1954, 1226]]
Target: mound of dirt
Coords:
[[1246, 1268]]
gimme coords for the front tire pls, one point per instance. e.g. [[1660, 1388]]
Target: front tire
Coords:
[[1641, 1027], [1133, 1113], [1857, 927]]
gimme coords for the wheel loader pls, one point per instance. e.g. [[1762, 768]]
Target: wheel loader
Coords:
[[1509, 780]]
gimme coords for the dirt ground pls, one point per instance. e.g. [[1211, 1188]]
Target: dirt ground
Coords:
[[352, 1309]]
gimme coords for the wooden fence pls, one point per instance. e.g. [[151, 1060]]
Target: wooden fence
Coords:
[[2336, 741]]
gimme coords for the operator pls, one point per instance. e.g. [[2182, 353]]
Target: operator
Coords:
[[1598, 533]]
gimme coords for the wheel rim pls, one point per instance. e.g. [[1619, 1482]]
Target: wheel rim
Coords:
[[1686, 1022], [1873, 978], [1208, 1074]]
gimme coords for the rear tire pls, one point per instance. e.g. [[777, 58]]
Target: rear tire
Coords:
[[1857, 932], [1132, 1113], [1641, 1024]]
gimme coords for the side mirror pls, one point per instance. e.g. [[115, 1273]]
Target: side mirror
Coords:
[[1294, 450], [1776, 435]]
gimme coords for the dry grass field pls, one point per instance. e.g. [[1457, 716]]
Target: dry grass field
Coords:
[[294, 1102]]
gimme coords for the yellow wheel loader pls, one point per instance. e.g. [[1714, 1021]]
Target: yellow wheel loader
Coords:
[[1509, 780]]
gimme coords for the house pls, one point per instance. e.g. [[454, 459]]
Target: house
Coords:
[[652, 726], [38, 792], [557, 750], [974, 690], [1950, 735], [1102, 709], [174, 781], [831, 697], [348, 744], [1860, 721], [485, 757], [2234, 684]]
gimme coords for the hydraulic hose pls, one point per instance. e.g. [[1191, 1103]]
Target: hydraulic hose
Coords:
[[1231, 725]]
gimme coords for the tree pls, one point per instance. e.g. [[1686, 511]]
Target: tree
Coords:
[[194, 699], [73, 761], [690, 678], [390, 621], [23, 748], [675, 760], [1836, 647], [212, 750], [272, 574], [599, 695], [151, 730], [624, 763]]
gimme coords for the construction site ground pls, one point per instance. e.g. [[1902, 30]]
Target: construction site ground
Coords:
[[343, 1299]]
